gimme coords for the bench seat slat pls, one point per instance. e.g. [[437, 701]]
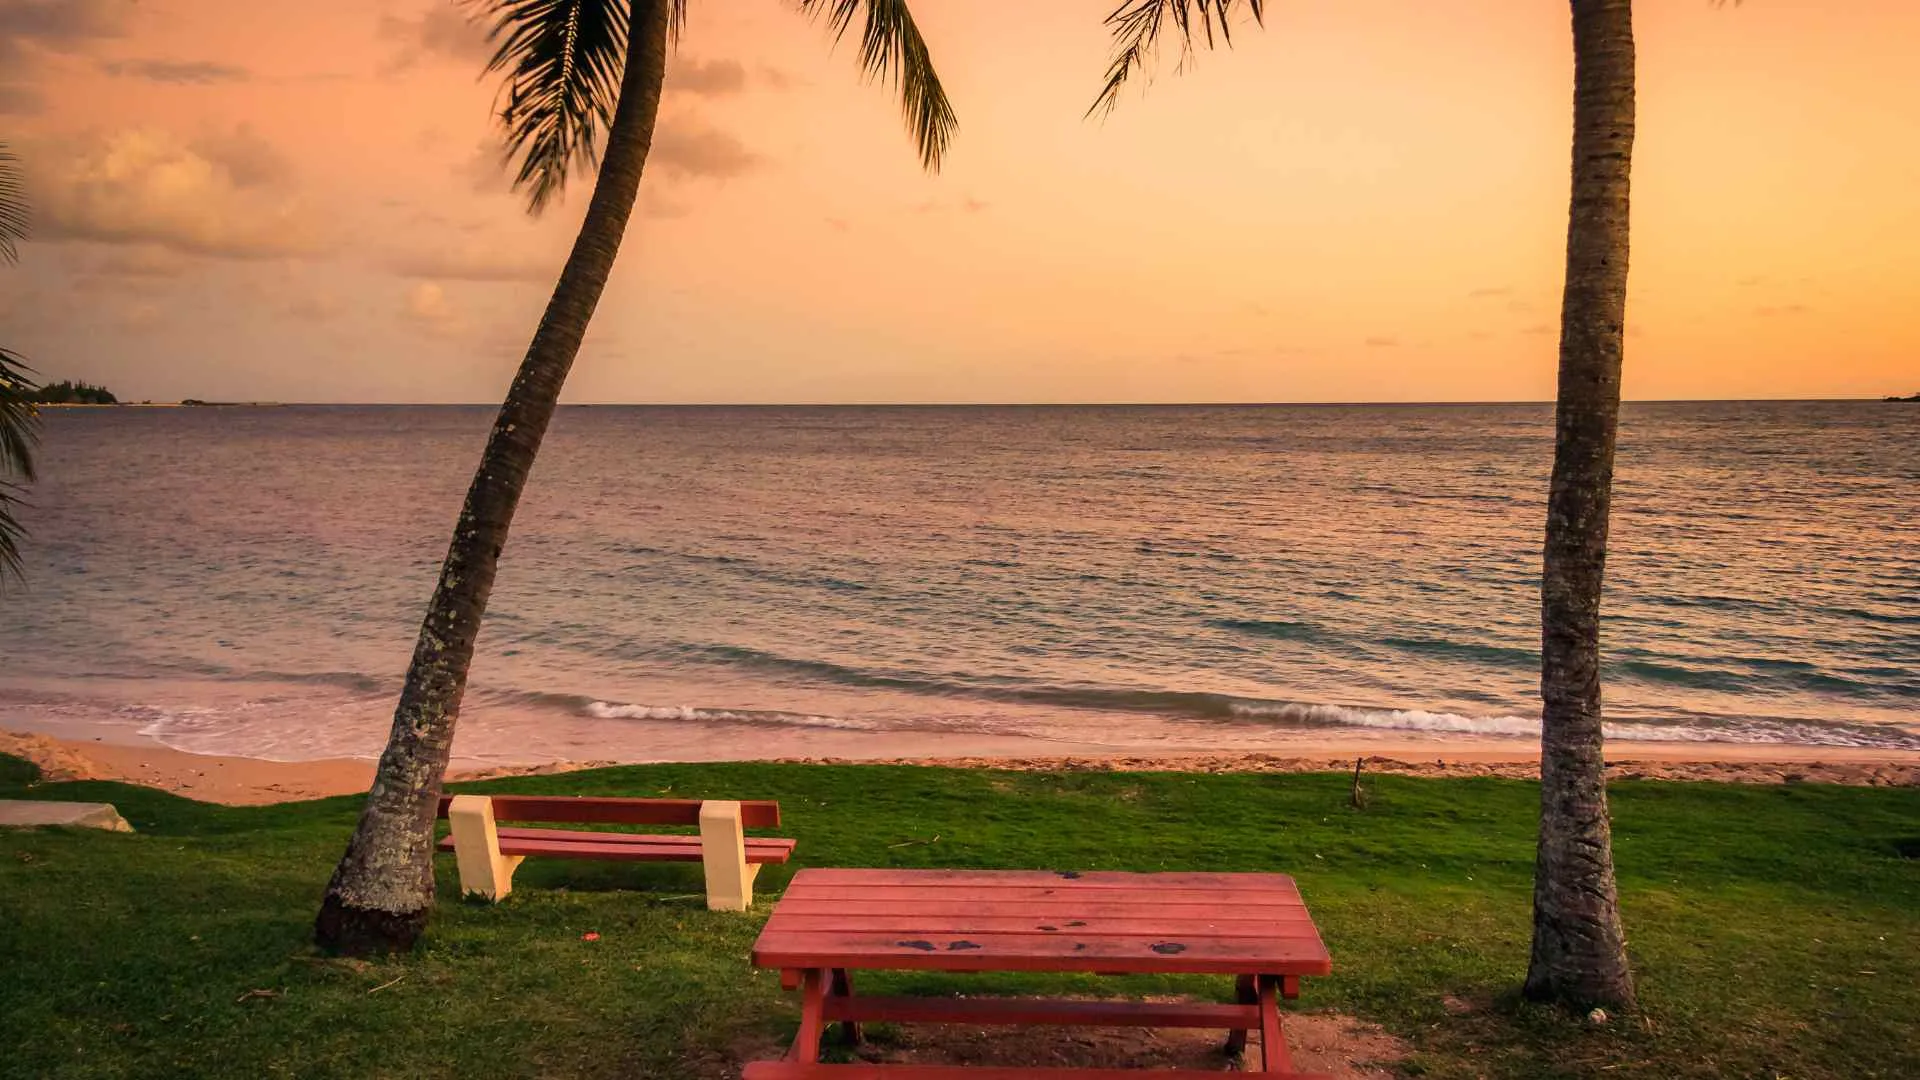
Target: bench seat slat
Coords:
[[587, 810], [796, 1070], [624, 846]]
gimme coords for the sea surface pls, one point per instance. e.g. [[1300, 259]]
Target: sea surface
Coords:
[[737, 581]]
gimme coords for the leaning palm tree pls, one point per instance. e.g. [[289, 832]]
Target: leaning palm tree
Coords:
[[1579, 950], [578, 74], [19, 423]]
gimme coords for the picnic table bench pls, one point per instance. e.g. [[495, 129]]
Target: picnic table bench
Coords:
[[831, 922], [489, 854]]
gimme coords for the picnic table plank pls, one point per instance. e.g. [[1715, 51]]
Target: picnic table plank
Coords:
[[1038, 894], [1142, 925], [1119, 908], [1077, 880], [1303, 955]]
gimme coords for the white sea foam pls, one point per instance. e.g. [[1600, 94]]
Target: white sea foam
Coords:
[[605, 710], [1529, 727]]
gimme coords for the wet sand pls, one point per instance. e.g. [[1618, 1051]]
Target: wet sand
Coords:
[[250, 781]]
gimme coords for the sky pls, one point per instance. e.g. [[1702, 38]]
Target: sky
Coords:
[[1365, 200]]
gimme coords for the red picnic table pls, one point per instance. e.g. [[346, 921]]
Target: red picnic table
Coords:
[[831, 922]]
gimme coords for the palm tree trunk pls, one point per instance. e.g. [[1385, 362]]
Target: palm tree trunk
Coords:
[[1579, 950], [382, 890]]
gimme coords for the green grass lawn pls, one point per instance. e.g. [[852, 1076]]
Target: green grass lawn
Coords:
[[1773, 929]]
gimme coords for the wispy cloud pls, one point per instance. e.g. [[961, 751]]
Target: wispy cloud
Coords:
[[690, 150], [707, 78], [181, 72]]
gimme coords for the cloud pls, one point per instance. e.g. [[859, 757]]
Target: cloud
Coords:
[[223, 197], [441, 32], [700, 151], [426, 306], [1768, 310], [486, 170], [139, 315], [320, 307], [1383, 342], [181, 72], [58, 25], [21, 101], [1539, 328], [474, 262], [707, 78], [1487, 292], [141, 262], [31, 27], [1751, 281], [777, 78], [655, 203], [250, 160]]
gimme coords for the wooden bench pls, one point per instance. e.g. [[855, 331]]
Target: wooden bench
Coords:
[[489, 854]]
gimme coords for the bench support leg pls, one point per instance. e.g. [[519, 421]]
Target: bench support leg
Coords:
[[476, 847], [723, 854], [813, 1008], [842, 987], [1273, 1042], [1245, 994]]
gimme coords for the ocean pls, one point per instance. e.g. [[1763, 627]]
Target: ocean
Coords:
[[739, 582]]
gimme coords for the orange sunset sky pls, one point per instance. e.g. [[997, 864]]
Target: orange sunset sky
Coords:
[[1366, 200]]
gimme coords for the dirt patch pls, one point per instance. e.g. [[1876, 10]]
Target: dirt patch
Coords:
[[1337, 1046]]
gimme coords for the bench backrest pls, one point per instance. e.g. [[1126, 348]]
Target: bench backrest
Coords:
[[611, 811]]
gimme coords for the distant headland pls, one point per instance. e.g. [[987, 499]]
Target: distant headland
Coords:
[[1909, 397], [73, 393]]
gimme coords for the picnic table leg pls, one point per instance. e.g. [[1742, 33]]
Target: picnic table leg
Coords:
[[842, 987], [1245, 994], [813, 1001], [1273, 1042]]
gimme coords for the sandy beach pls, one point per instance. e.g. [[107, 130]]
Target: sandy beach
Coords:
[[251, 781]]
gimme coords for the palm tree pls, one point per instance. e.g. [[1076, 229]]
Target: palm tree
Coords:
[[1579, 950], [572, 68], [19, 423]]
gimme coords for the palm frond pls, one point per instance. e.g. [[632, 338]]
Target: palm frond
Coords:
[[563, 61], [891, 48], [13, 206], [19, 419], [1136, 26], [19, 430]]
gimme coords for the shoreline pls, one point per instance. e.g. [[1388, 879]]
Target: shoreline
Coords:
[[241, 781]]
